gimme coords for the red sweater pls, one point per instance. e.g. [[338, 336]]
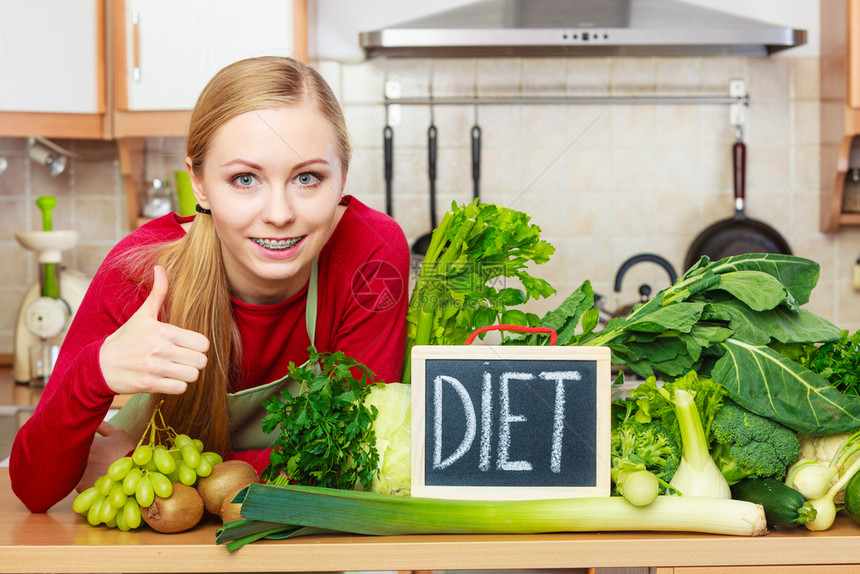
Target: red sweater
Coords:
[[361, 311]]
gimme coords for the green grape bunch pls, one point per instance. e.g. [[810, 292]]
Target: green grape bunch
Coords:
[[132, 482]]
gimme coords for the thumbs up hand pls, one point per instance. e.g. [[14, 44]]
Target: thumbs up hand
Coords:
[[146, 355]]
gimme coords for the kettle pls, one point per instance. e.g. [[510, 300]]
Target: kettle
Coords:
[[644, 289]]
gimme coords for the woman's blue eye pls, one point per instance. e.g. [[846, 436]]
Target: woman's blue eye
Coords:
[[245, 180], [307, 179]]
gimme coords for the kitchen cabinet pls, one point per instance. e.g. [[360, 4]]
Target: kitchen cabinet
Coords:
[[43, 36], [177, 47], [840, 113], [52, 72], [128, 69]]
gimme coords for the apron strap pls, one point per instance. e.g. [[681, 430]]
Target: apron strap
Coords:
[[311, 303]]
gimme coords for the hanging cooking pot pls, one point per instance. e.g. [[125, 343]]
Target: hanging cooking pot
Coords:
[[737, 235], [644, 289]]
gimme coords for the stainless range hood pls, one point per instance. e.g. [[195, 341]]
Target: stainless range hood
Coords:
[[581, 28]]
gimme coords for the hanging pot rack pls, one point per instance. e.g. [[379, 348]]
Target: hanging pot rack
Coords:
[[737, 100]]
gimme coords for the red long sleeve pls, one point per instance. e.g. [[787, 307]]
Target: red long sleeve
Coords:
[[361, 311]]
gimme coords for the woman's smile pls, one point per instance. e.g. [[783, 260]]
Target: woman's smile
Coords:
[[277, 244], [278, 248]]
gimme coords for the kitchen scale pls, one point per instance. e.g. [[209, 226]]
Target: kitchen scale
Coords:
[[49, 305]]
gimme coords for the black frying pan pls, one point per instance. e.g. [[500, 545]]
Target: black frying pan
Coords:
[[737, 235]]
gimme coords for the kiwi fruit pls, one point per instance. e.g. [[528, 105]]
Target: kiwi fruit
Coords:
[[180, 511], [224, 478], [230, 510]]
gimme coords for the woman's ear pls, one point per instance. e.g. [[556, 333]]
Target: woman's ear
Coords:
[[197, 185]]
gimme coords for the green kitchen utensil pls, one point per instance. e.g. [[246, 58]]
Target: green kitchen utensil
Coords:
[[50, 285]]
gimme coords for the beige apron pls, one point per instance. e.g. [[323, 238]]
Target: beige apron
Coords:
[[246, 412]]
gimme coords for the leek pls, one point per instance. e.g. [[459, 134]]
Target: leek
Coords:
[[371, 513]]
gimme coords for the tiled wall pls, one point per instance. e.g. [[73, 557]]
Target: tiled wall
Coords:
[[606, 182], [603, 181], [89, 200]]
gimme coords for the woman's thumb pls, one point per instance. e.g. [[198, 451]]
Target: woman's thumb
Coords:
[[156, 297]]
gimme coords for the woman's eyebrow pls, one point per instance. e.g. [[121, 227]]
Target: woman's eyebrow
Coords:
[[240, 161]]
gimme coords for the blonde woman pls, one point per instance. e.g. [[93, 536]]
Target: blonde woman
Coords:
[[200, 310]]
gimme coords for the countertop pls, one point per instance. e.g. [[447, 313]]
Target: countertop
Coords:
[[62, 541], [13, 394], [17, 402]]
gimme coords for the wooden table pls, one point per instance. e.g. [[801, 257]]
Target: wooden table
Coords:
[[62, 541]]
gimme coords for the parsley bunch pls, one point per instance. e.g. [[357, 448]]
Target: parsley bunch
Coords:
[[326, 431], [839, 363]]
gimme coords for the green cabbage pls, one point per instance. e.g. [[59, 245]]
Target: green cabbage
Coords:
[[393, 430]]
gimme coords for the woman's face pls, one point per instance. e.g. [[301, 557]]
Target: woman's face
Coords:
[[272, 179]]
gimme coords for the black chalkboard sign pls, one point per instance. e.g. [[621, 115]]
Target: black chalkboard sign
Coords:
[[493, 422]]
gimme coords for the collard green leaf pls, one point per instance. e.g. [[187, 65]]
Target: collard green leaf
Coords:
[[741, 320], [767, 383], [758, 290], [798, 275], [678, 317]]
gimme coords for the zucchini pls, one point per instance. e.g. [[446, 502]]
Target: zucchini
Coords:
[[783, 506]]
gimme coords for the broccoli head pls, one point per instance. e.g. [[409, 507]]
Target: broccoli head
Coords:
[[644, 446], [749, 445]]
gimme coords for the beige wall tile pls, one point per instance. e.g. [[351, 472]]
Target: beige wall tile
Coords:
[[90, 257], [13, 218], [10, 306], [18, 270], [364, 82], [718, 72], [366, 175], [769, 78], [589, 170], [631, 76], [499, 76], [96, 177], [767, 169], [98, 218], [544, 76], [678, 76], [634, 125], [588, 76], [363, 123], [678, 124], [805, 80], [501, 126], [768, 123], [454, 77], [545, 126], [806, 123]]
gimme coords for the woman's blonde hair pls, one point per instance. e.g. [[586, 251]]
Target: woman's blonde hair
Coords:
[[199, 291]]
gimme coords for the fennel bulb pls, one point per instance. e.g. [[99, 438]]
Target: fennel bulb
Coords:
[[697, 474]]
